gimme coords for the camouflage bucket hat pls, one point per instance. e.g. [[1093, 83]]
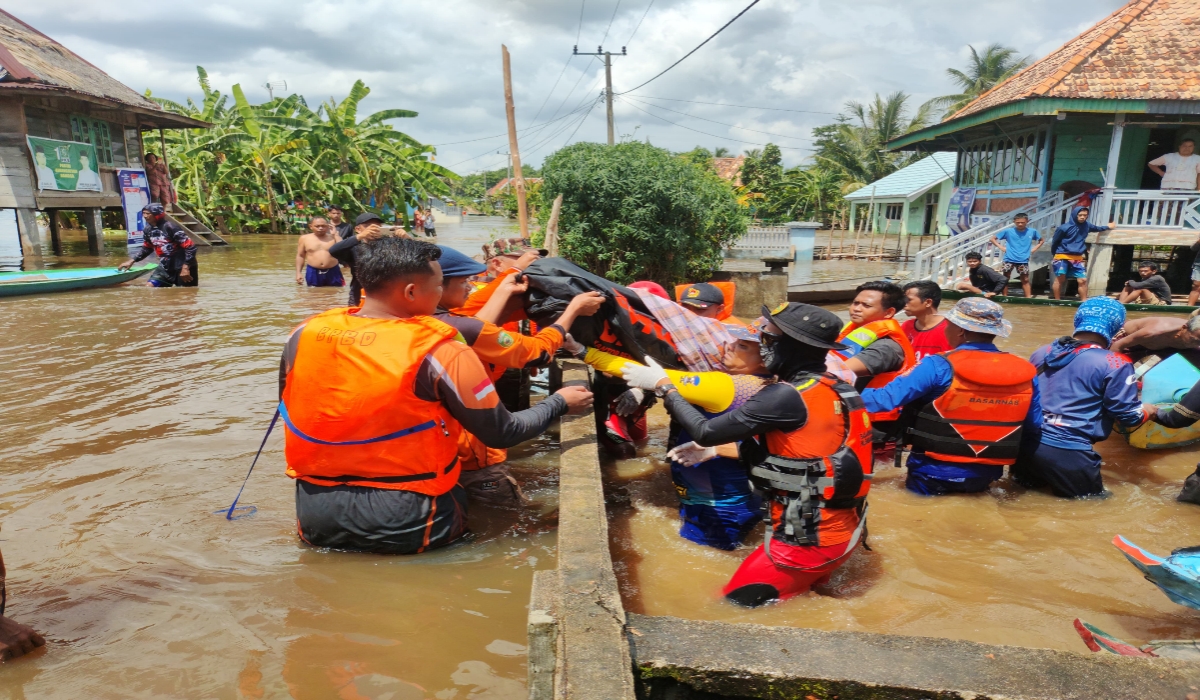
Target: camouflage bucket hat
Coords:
[[510, 246], [980, 316]]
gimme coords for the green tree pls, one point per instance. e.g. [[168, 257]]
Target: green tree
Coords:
[[983, 72], [633, 211], [856, 142]]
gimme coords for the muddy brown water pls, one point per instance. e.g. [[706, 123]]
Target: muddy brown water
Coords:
[[1009, 566], [130, 415]]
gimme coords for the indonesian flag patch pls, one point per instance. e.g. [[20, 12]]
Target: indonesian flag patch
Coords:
[[482, 389]]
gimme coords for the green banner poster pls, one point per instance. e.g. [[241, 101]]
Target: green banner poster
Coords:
[[64, 165]]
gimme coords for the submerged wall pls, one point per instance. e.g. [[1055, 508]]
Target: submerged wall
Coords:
[[583, 645]]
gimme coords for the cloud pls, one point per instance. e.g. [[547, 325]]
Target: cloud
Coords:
[[442, 59]]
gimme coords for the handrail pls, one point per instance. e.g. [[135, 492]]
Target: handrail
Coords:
[[945, 263]]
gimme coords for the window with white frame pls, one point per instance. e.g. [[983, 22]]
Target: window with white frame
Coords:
[[893, 212]]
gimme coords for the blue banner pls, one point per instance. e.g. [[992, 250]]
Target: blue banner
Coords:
[[135, 195], [958, 213]]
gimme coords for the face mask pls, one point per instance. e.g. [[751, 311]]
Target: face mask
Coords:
[[769, 352]]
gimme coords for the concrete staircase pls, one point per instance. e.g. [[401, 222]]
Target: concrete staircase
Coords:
[[197, 231]]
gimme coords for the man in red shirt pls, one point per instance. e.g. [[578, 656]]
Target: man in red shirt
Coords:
[[925, 328]]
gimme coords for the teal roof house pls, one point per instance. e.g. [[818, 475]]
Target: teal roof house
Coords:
[[912, 200]]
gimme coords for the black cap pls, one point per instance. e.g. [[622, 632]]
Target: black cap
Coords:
[[808, 324], [701, 295], [366, 217]]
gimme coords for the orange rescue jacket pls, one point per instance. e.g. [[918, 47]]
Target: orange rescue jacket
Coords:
[[350, 409], [820, 474], [978, 420], [872, 332]]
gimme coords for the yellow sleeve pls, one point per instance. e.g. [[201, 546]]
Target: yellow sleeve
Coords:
[[711, 391]]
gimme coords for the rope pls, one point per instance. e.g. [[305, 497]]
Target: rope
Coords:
[[253, 510]]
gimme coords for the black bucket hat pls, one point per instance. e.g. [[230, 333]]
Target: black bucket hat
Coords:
[[807, 324]]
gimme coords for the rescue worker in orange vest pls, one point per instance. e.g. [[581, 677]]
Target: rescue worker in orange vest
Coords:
[[484, 474], [806, 441], [373, 400], [877, 350], [968, 408]]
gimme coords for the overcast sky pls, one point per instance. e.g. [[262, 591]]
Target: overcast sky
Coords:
[[442, 59]]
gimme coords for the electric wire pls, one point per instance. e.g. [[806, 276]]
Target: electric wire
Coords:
[[561, 73], [716, 136], [579, 32], [582, 74], [495, 136], [713, 121], [639, 24], [610, 22], [575, 123], [532, 133], [725, 104], [585, 117], [689, 53]]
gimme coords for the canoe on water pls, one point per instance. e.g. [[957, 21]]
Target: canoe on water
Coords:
[[1177, 575], [1097, 639], [44, 281], [1164, 382], [1044, 301]]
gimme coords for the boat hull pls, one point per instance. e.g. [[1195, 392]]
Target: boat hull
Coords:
[[1039, 301], [49, 281]]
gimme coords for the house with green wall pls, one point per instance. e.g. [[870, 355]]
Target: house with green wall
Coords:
[[1083, 121], [912, 200]]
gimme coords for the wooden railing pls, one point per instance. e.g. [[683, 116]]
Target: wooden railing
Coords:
[[1155, 209]]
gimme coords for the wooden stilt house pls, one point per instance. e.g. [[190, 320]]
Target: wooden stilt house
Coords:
[[1078, 125], [57, 111]]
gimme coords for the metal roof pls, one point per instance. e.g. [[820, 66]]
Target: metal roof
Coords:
[[912, 180]]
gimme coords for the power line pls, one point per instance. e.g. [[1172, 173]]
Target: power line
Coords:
[[725, 104], [577, 123], [532, 132], [715, 136], [689, 53], [484, 138], [561, 73], [580, 123], [639, 24], [610, 21], [713, 121], [582, 74], [579, 32]]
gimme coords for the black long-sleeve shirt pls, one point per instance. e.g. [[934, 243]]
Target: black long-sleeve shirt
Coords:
[[343, 252], [1184, 413], [170, 242], [986, 279], [774, 407]]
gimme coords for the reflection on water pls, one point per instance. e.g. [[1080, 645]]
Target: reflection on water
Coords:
[[1009, 566], [130, 415]]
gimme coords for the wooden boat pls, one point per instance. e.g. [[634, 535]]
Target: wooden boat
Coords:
[[1164, 382], [1041, 301], [1098, 640], [1177, 575], [44, 281]]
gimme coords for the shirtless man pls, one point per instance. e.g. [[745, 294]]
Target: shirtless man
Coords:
[[314, 264]]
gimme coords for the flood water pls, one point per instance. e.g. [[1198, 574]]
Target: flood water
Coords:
[[132, 414], [1010, 566]]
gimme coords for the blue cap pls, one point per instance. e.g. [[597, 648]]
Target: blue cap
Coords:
[[455, 264], [1103, 315], [750, 333]]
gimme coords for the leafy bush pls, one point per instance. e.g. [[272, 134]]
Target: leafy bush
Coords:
[[636, 212]]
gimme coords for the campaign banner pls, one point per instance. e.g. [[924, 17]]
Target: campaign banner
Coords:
[[64, 165], [958, 212], [135, 195]]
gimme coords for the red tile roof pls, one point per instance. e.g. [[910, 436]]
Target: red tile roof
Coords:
[[730, 168], [505, 182], [1146, 50]]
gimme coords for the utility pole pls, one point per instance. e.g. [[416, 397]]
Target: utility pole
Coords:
[[608, 91], [519, 179]]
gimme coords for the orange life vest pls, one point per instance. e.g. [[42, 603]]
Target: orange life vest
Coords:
[[819, 475], [978, 420], [351, 411], [862, 336]]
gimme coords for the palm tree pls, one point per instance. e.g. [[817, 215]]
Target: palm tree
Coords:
[[856, 143], [997, 64], [720, 152]]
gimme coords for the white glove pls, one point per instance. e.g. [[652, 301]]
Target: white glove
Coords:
[[629, 402], [573, 347], [643, 376], [689, 454]]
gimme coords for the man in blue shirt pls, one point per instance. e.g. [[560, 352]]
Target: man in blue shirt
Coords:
[[1018, 246], [967, 408], [1085, 388], [1068, 248]]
